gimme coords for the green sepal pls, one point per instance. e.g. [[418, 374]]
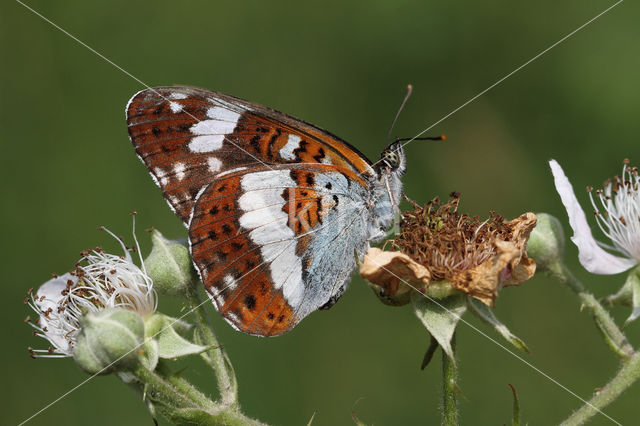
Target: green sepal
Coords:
[[171, 337], [486, 314], [628, 295], [428, 355], [356, 420], [149, 354], [440, 317], [516, 407]]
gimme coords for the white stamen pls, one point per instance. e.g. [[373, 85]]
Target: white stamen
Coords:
[[106, 281], [625, 238], [620, 221]]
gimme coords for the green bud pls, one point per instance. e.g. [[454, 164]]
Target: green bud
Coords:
[[546, 242], [109, 341], [169, 266]]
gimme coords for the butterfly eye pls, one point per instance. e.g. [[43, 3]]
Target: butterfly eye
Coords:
[[391, 158]]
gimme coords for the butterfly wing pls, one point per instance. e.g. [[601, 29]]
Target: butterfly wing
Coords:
[[273, 244], [186, 135]]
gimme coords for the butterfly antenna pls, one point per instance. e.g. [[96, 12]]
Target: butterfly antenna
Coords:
[[423, 138], [404, 101]]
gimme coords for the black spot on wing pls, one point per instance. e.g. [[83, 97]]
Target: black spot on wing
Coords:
[[250, 301], [320, 155]]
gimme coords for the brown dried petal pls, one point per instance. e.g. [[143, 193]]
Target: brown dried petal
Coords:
[[509, 266], [386, 269]]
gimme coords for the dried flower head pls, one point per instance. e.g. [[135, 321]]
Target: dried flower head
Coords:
[[99, 281], [438, 243], [617, 211]]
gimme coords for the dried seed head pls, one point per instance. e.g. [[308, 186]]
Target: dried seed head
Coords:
[[477, 257]]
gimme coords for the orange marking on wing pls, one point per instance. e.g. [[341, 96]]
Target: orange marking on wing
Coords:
[[160, 137], [330, 168], [266, 137], [260, 310], [353, 158], [304, 209], [214, 219], [275, 319]]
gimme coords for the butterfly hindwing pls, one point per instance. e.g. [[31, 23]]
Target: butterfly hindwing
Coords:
[[276, 207], [185, 136], [273, 244]]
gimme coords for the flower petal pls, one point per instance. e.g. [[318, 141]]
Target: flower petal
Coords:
[[51, 291], [47, 297], [387, 269], [591, 256], [509, 265]]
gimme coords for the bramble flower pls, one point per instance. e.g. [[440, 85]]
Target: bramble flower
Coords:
[[100, 282], [617, 211], [442, 251]]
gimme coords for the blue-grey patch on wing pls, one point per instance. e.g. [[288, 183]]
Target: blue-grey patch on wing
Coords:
[[330, 257]]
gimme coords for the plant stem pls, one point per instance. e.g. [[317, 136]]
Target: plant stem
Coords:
[[215, 355], [182, 404], [628, 374], [449, 388], [215, 417], [612, 334], [161, 390], [184, 387]]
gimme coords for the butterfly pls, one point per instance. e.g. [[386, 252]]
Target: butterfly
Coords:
[[277, 209]]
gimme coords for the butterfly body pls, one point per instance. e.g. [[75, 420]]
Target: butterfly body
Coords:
[[275, 207]]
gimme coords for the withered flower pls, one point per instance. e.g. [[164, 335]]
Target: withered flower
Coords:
[[441, 251]]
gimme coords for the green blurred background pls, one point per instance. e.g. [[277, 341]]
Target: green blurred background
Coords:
[[67, 166]]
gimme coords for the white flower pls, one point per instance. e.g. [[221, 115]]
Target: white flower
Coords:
[[104, 281], [618, 217]]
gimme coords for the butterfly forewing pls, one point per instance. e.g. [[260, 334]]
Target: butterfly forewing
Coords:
[[275, 206], [185, 136], [274, 244]]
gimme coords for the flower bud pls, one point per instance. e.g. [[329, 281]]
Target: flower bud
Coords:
[[109, 341], [169, 266], [546, 242]]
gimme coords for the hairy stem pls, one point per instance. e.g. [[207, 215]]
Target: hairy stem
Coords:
[[616, 340], [157, 388], [215, 355], [184, 387], [182, 404], [449, 388], [628, 374]]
